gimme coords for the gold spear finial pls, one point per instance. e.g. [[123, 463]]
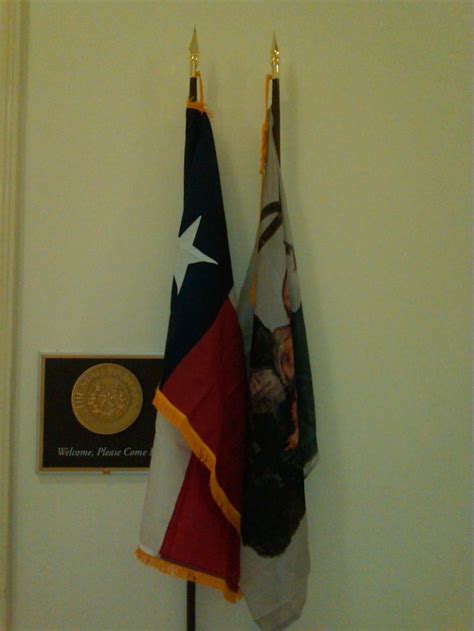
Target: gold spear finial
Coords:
[[275, 58], [193, 54]]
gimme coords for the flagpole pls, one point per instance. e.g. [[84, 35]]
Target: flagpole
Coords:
[[275, 62], [190, 606], [193, 63]]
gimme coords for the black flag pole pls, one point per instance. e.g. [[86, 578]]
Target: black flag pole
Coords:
[[190, 606], [193, 61], [190, 585], [275, 62], [192, 89]]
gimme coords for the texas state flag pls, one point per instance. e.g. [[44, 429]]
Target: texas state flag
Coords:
[[191, 516]]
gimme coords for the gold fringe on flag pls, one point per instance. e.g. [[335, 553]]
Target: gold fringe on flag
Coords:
[[188, 575], [181, 422]]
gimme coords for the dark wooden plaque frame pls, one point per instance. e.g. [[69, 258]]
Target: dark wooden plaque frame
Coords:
[[66, 445]]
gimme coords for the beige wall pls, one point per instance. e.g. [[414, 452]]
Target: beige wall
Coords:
[[11, 30], [376, 161]]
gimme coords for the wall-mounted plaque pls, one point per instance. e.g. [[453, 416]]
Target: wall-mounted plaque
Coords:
[[96, 412]]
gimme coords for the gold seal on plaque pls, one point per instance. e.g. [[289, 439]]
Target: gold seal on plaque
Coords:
[[107, 398]]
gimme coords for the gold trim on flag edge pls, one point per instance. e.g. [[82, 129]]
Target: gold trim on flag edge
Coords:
[[201, 451], [187, 574]]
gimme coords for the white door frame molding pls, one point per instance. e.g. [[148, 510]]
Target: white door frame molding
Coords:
[[12, 15]]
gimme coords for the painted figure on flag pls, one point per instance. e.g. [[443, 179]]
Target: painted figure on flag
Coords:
[[272, 373]]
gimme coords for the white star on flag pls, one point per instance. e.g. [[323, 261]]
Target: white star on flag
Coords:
[[188, 253]]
